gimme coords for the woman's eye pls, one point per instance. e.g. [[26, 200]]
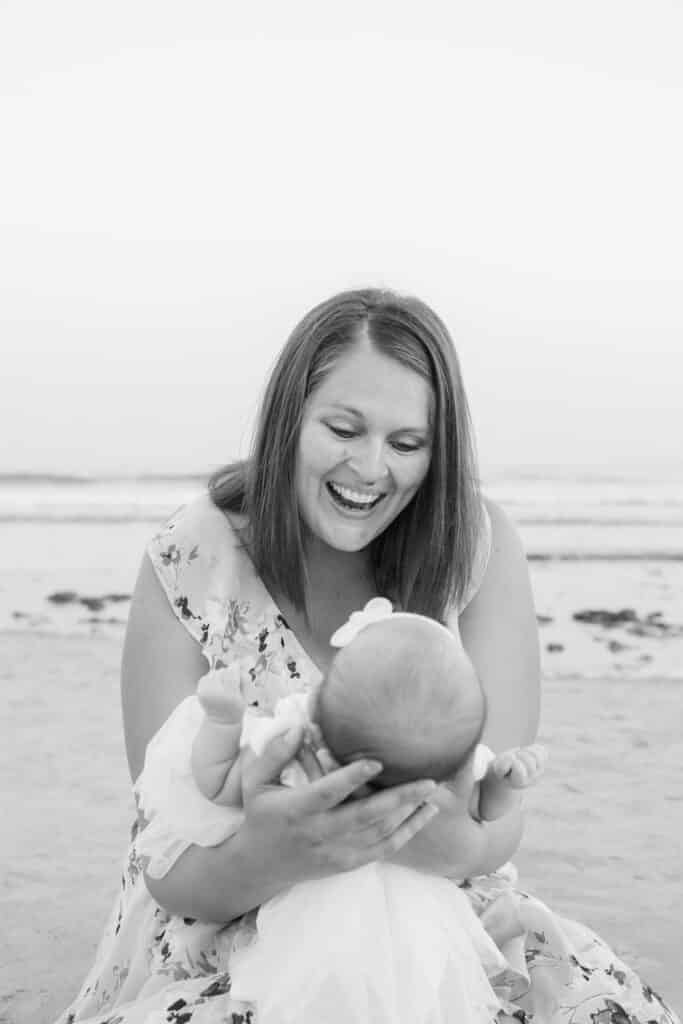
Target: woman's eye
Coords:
[[342, 432], [405, 447]]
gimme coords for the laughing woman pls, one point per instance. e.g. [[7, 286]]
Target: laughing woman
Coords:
[[361, 483]]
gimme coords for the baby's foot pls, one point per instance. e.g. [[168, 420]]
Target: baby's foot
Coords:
[[521, 766], [219, 694]]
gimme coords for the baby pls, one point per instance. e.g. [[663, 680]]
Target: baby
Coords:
[[401, 690], [382, 942]]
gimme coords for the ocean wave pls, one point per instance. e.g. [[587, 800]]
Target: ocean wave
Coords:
[[110, 510], [635, 475], [80, 480], [59, 479], [596, 521], [653, 555], [148, 514], [554, 548]]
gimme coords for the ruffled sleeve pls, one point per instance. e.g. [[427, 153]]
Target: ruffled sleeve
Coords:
[[175, 554], [178, 815], [200, 564], [481, 559]]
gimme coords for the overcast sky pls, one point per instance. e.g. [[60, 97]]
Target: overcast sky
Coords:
[[180, 182]]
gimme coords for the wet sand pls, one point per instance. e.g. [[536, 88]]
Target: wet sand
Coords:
[[604, 837]]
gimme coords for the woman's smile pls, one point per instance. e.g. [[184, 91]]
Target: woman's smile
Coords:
[[353, 500]]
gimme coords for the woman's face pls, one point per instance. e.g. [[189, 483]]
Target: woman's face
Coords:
[[364, 447]]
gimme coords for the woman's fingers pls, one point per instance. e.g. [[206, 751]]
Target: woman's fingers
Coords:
[[260, 770], [384, 843], [326, 760], [389, 804], [321, 836], [384, 828], [333, 788], [309, 762], [409, 828]]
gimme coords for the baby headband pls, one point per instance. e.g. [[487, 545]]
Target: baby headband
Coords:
[[376, 610]]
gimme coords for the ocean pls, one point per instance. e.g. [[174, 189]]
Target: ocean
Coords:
[[604, 546]]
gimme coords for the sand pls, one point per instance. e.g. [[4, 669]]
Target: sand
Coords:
[[604, 837]]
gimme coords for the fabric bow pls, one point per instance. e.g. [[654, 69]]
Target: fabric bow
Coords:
[[376, 609]]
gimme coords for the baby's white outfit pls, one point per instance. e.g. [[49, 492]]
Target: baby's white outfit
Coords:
[[382, 943]]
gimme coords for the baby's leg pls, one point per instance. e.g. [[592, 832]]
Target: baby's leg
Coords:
[[215, 751], [510, 771]]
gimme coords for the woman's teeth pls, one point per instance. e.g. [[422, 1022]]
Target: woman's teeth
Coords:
[[353, 499]]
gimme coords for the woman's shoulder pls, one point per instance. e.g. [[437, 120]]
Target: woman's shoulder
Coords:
[[500, 556], [482, 554], [499, 540], [199, 558], [197, 532], [200, 525], [503, 535]]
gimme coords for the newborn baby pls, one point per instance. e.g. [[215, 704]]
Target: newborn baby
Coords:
[[403, 691]]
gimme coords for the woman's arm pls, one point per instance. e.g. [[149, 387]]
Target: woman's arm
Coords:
[[499, 632], [161, 665], [287, 835]]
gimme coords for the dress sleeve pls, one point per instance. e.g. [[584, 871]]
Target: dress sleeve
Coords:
[[481, 559], [189, 553], [177, 814], [173, 552]]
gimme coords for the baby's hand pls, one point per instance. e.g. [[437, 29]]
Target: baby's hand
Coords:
[[219, 694], [521, 766]]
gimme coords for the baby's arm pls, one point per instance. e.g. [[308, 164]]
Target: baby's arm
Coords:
[[215, 752], [510, 771]]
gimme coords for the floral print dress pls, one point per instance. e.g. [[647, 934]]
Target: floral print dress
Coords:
[[153, 967]]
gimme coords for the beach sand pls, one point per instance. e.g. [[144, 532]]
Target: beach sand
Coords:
[[603, 840]]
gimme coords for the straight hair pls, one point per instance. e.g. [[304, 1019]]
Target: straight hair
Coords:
[[423, 560]]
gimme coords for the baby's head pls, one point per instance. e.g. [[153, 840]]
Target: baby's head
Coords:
[[402, 691]]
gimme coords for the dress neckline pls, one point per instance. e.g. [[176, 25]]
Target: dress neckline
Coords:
[[272, 609]]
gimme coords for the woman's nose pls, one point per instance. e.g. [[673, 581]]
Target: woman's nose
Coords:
[[368, 461]]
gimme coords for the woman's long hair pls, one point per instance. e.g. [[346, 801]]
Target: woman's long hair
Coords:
[[423, 559]]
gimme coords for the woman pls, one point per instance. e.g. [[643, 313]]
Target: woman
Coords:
[[361, 482]]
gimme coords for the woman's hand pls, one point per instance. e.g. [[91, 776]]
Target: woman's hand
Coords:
[[311, 831], [291, 835]]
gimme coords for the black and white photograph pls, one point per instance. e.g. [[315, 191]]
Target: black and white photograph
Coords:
[[341, 512]]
